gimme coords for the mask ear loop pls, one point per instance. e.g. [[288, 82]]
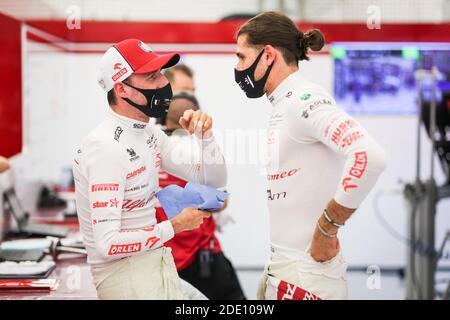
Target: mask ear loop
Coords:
[[134, 104], [260, 56], [255, 63], [137, 89], [266, 75]]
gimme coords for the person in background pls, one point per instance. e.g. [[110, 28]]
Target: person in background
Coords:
[[181, 79], [197, 253]]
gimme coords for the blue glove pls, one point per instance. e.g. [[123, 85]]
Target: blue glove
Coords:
[[174, 199]]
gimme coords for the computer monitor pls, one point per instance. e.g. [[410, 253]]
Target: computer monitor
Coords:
[[378, 78], [2, 220], [13, 203], [5, 184]]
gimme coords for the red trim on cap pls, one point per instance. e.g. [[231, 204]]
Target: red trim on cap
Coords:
[[160, 62], [141, 58]]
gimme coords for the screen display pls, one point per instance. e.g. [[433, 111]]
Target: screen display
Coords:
[[2, 219], [378, 78], [14, 204]]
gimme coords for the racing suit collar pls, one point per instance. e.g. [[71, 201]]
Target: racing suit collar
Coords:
[[290, 83], [128, 123]]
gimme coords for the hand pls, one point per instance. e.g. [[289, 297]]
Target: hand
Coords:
[[197, 122], [324, 248], [225, 205], [188, 219], [4, 164]]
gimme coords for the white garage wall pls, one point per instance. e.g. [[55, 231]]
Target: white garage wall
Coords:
[[63, 102]]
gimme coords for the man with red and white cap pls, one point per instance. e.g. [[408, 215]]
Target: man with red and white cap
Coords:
[[116, 177]]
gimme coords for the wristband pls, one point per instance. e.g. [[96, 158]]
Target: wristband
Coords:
[[331, 221]]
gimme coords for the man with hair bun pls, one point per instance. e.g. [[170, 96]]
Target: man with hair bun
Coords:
[[323, 162]]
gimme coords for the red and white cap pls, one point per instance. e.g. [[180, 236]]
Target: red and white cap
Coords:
[[128, 57]]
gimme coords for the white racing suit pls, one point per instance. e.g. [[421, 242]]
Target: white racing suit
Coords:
[[116, 178], [316, 153]]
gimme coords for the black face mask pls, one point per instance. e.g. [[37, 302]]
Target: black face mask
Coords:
[[246, 79], [158, 100]]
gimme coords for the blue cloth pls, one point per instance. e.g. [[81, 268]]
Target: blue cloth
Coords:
[[174, 199]]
